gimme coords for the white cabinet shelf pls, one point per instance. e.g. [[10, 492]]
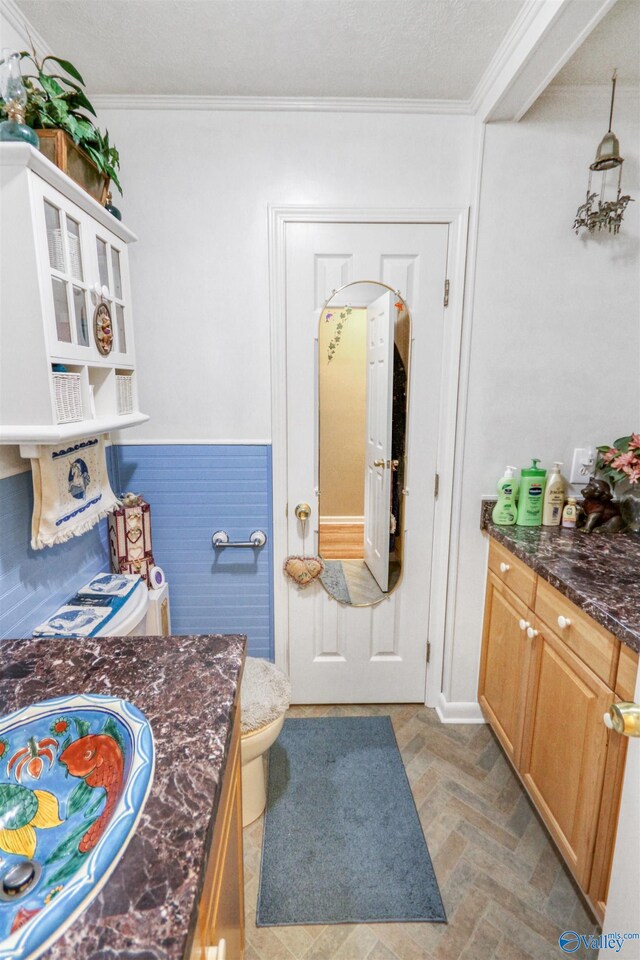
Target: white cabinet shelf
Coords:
[[63, 373]]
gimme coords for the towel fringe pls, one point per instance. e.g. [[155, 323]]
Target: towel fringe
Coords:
[[43, 541]]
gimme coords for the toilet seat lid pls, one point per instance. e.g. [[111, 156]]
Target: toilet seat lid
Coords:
[[265, 694]]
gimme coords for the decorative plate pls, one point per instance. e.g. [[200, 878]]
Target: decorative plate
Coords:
[[103, 329]]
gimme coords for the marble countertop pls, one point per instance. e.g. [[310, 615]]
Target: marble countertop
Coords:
[[599, 571], [186, 687]]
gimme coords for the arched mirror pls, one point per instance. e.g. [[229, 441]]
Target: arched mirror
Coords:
[[364, 344]]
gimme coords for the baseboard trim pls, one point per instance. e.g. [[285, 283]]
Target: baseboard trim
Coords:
[[337, 521], [459, 711]]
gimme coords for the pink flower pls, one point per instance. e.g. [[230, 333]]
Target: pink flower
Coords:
[[634, 441], [625, 461], [610, 454], [634, 476]]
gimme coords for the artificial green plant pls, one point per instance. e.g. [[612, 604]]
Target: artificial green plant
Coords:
[[58, 100]]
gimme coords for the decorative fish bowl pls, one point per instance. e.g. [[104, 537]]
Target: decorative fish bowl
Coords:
[[75, 774]]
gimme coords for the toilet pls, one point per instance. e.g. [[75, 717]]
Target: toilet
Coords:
[[144, 613], [265, 693]]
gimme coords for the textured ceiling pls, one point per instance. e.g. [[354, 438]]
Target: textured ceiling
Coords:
[[615, 42], [432, 49]]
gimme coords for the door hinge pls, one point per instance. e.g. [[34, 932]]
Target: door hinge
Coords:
[[446, 293], [428, 650], [436, 486]]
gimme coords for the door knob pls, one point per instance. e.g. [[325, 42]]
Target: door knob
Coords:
[[379, 463], [624, 718], [303, 511]]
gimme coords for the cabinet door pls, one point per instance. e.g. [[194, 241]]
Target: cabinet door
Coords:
[[221, 908], [63, 250], [111, 268], [506, 652], [226, 921], [564, 747]]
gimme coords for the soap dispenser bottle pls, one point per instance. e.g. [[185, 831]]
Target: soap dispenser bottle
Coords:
[[531, 495], [553, 497], [504, 512]]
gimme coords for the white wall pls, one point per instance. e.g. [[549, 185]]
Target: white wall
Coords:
[[556, 321], [197, 186]]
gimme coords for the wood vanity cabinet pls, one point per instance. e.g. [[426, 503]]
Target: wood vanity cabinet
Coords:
[[219, 933], [504, 669], [548, 673]]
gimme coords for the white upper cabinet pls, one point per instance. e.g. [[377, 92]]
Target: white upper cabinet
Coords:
[[67, 359]]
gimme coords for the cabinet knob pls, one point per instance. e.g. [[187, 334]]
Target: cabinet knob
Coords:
[[523, 624], [564, 622], [505, 567], [531, 633]]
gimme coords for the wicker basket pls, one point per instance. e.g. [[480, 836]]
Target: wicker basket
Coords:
[[68, 397], [124, 394], [57, 146], [56, 250]]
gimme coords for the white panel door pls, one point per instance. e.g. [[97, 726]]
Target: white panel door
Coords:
[[338, 653], [377, 490]]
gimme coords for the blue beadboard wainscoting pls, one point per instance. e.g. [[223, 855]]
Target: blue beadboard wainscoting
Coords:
[[34, 583], [194, 490]]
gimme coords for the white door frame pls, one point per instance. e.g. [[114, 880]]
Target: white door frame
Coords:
[[457, 219]]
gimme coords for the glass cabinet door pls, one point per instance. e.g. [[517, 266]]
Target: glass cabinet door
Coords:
[[85, 264], [69, 287], [111, 268]]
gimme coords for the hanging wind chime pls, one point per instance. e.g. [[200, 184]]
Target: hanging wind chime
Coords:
[[598, 213]]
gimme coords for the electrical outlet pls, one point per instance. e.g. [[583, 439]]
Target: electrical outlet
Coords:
[[582, 465]]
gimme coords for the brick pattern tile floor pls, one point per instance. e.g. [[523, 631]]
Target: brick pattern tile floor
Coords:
[[507, 893]]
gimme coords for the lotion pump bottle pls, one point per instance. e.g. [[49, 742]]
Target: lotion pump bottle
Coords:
[[504, 512], [553, 497], [530, 499], [570, 513]]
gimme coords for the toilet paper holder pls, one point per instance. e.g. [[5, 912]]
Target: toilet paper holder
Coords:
[[221, 539]]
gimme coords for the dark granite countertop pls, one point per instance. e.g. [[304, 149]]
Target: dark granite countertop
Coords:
[[599, 571], [186, 687]]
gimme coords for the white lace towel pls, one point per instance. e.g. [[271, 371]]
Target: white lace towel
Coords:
[[71, 491]]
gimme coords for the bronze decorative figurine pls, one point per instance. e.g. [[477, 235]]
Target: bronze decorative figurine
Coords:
[[598, 508]]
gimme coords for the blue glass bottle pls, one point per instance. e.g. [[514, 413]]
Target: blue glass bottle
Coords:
[[15, 102], [110, 207]]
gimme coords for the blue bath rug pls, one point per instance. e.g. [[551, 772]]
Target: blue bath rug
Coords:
[[342, 839]]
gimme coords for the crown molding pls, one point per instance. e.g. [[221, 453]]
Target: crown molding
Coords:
[[584, 91], [521, 36], [24, 28], [542, 38], [584, 28], [280, 104], [516, 33]]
